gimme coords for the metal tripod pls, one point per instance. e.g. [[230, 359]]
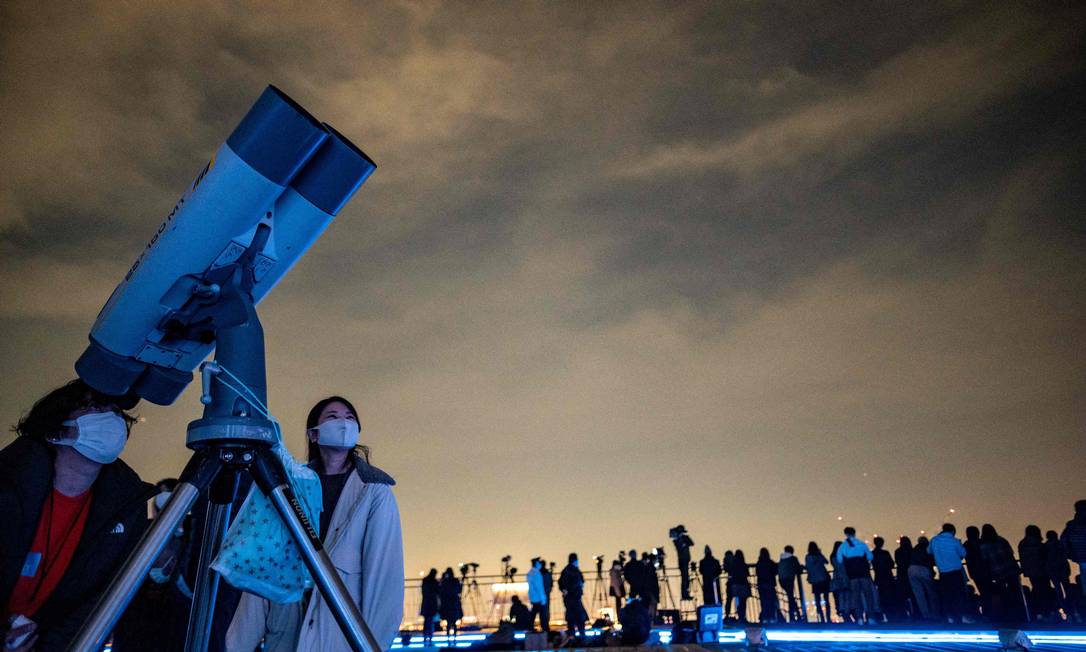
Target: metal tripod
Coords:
[[600, 598], [667, 598], [232, 438], [471, 589]]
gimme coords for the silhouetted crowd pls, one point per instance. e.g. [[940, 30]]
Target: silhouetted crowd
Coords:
[[943, 579]]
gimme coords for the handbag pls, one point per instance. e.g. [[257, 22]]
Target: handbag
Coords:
[[258, 554]]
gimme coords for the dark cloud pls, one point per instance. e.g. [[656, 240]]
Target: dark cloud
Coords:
[[718, 258]]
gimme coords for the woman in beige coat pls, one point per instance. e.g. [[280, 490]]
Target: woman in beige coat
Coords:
[[360, 528]]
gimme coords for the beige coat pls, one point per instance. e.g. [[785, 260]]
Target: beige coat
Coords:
[[365, 544]]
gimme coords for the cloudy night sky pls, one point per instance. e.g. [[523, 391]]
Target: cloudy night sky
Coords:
[[743, 266]]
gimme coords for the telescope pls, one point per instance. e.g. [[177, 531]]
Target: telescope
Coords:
[[270, 191], [257, 206]]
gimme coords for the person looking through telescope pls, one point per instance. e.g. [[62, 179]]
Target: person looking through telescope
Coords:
[[360, 528], [72, 513]]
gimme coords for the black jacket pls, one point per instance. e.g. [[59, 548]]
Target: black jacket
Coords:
[[883, 565], [1073, 538], [117, 518], [766, 571], [682, 549], [431, 597], [1031, 555], [571, 582], [710, 568], [634, 574]]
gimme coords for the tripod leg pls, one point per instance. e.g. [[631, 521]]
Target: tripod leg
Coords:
[[270, 476], [92, 635], [220, 501]]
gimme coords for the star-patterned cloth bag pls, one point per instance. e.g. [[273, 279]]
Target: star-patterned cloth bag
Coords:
[[258, 554]]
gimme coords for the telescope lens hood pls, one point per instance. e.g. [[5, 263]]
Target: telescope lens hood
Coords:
[[162, 385], [276, 137], [108, 372], [334, 173], [129, 379]]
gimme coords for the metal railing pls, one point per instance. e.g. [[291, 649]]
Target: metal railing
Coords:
[[485, 599]]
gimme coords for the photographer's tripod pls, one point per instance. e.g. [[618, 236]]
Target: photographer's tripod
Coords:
[[695, 590], [497, 604], [599, 588], [232, 438], [667, 598], [471, 588]]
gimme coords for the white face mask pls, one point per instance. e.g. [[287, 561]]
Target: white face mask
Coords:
[[101, 438], [338, 433]]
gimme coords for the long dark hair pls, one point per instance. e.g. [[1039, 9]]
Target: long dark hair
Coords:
[[313, 449]]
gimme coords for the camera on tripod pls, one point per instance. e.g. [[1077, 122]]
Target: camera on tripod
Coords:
[[658, 557], [508, 572]]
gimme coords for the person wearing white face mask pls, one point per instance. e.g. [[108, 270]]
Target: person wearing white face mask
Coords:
[[360, 528], [72, 512]]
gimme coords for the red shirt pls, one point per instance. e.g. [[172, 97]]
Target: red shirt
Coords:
[[59, 530]]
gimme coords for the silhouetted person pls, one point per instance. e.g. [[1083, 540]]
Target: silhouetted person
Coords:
[[451, 608], [729, 592], [902, 558], [634, 574], [948, 553], [1073, 538], [431, 603], [709, 568], [636, 622], [856, 557], [617, 586], [1004, 573], [883, 565], [1031, 555], [765, 570], [547, 573], [1060, 572], [788, 570], [922, 580], [682, 550], [839, 585], [978, 570], [651, 593], [739, 581], [520, 615], [571, 584], [819, 580]]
